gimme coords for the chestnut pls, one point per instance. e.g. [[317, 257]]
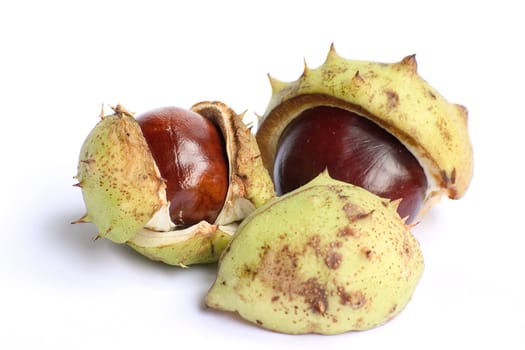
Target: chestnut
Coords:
[[353, 150], [376, 125], [191, 155], [173, 184]]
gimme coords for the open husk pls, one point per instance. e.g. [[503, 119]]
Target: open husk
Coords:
[[125, 195], [394, 97]]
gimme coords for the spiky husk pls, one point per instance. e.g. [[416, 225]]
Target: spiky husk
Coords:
[[393, 96], [125, 195], [326, 258]]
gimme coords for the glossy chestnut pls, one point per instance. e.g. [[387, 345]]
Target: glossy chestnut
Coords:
[[353, 150], [189, 151]]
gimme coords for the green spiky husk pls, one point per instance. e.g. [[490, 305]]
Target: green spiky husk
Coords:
[[394, 97], [326, 258]]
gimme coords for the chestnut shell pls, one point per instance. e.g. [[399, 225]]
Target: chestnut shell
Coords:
[[125, 195], [392, 96]]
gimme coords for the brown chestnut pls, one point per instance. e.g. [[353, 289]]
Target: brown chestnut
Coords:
[[353, 150], [190, 153]]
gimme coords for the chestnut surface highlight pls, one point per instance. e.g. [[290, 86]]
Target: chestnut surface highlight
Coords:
[[191, 156], [354, 150]]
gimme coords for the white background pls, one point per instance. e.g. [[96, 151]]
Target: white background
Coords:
[[60, 60]]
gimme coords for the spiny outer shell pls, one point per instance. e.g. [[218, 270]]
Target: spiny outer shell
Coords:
[[130, 207], [121, 194], [393, 96], [326, 258]]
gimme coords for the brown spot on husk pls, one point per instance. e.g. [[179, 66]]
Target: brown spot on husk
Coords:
[[315, 296], [448, 182], [392, 99], [331, 257], [333, 260], [443, 127], [453, 176], [347, 232], [354, 299], [354, 212], [279, 270], [368, 253]]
